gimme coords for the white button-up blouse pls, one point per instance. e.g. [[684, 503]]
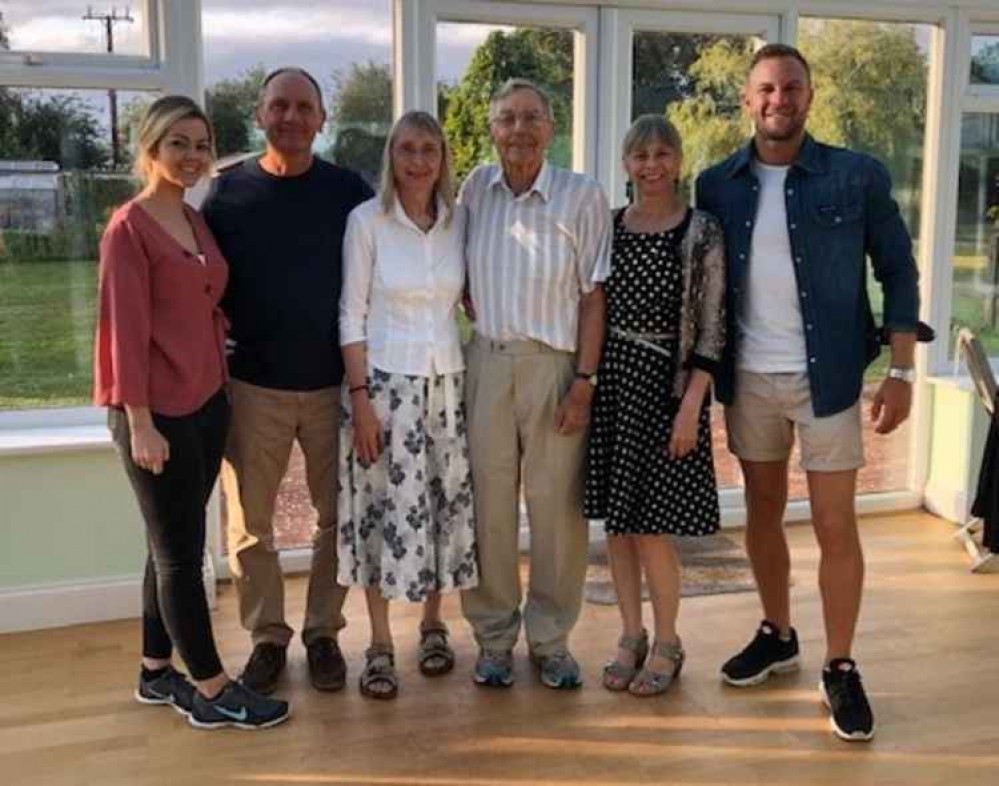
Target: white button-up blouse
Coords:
[[400, 289]]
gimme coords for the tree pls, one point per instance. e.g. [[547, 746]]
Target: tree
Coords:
[[710, 120], [4, 34], [362, 95], [543, 56], [360, 117], [59, 128], [231, 104]]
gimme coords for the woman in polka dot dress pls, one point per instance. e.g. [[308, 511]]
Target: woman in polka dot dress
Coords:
[[651, 474]]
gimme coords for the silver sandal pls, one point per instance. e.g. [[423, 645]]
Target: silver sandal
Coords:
[[653, 683], [618, 676]]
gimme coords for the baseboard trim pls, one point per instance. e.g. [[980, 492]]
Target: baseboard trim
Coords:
[[951, 503], [69, 603]]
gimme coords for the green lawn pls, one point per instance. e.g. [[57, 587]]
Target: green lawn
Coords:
[[46, 333]]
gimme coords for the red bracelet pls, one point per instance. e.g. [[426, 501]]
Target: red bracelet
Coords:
[[354, 390]]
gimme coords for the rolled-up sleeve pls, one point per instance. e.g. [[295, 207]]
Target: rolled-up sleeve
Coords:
[[593, 233], [889, 247], [358, 268], [125, 317]]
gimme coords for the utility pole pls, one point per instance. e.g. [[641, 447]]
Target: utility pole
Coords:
[[110, 20]]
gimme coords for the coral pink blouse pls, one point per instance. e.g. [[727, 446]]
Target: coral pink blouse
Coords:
[[160, 332]]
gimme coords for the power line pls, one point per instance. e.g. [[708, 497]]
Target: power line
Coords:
[[110, 20]]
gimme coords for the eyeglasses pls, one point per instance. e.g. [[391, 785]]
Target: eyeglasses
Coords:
[[528, 119]]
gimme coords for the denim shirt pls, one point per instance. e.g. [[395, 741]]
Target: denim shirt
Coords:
[[839, 212]]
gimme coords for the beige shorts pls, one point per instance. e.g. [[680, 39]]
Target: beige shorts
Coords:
[[765, 412]]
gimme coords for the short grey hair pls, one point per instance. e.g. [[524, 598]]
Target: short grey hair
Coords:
[[651, 128], [511, 86]]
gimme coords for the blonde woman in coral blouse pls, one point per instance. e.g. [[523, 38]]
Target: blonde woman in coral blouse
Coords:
[[160, 370]]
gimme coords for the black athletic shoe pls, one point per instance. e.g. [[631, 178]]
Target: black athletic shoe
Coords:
[[170, 688], [766, 654], [843, 693], [236, 705], [327, 668], [264, 667]]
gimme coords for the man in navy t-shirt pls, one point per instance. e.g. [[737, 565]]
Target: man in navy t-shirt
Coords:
[[279, 220]]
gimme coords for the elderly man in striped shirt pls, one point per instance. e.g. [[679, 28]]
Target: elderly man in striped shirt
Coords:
[[538, 249]]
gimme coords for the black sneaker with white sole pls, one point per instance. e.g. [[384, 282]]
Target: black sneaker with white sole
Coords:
[[236, 705], [843, 693], [766, 654], [170, 688]]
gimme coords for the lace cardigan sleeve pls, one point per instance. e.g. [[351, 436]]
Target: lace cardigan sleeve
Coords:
[[710, 306]]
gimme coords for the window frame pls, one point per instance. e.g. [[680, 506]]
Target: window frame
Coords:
[[176, 65]]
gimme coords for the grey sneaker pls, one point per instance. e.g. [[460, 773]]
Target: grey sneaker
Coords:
[[559, 670], [170, 688], [236, 705], [494, 668]]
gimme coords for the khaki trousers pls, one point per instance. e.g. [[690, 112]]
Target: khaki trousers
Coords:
[[512, 392], [265, 423]]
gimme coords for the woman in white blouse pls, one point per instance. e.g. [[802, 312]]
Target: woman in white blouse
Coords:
[[405, 505]]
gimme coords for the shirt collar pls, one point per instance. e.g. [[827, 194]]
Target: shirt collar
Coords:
[[542, 185], [399, 214], [809, 158]]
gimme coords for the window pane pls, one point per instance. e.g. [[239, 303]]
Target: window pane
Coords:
[[975, 296], [474, 60], [347, 46], [74, 27], [871, 83], [58, 186], [985, 60]]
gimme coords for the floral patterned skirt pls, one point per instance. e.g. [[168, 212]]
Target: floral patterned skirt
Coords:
[[406, 522]]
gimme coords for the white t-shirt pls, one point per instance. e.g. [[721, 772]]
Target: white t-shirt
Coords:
[[772, 339]]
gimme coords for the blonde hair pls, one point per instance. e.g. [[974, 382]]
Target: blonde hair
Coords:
[[443, 188], [156, 123], [651, 128]]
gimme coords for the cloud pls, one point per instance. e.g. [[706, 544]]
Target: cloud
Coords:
[[290, 25]]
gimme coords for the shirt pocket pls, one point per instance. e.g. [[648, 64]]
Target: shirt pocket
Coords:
[[837, 204]]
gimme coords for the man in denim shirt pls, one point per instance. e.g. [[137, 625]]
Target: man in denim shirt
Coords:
[[800, 220]]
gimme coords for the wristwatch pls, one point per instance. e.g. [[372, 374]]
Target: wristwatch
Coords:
[[591, 378], [904, 374]]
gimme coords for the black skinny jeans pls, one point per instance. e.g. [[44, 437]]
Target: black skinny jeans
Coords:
[[174, 606]]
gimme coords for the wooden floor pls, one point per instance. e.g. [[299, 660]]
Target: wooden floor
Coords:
[[928, 646]]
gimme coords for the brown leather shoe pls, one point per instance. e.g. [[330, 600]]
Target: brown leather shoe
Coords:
[[264, 667], [327, 668]]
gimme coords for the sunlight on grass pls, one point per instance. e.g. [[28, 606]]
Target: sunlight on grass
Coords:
[[46, 333]]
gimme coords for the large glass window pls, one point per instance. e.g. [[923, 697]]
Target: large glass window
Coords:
[[347, 46], [73, 27], [469, 73], [975, 297], [62, 173]]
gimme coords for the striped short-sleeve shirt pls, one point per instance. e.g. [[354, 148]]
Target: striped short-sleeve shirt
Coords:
[[532, 256]]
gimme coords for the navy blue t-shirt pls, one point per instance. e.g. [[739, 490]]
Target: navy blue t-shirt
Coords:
[[283, 240]]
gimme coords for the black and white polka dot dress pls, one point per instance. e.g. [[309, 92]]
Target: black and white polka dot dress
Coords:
[[632, 483]]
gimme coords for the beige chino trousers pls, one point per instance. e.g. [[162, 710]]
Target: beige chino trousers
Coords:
[[265, 424], [512, 390]]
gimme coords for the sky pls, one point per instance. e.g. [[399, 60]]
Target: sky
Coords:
[[238, 34]]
